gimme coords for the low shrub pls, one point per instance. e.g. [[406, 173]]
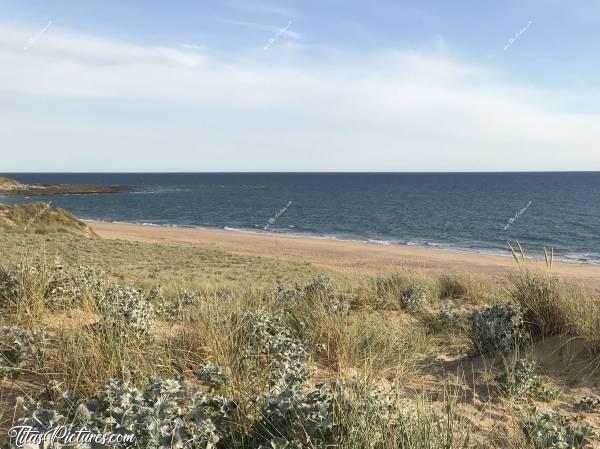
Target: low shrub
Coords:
[[549, 430], [211, 375], [589, 404], [35, 284], [20, 350], [289, 296], [319, 288], [414, 297], [522, 381], [445, 321], [68, 287], [126, 307], [167, 413], [498, 329]]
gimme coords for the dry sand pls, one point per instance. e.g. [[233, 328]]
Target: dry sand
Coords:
[[338, 255]]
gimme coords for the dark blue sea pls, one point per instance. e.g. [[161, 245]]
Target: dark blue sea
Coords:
[[477, 212]]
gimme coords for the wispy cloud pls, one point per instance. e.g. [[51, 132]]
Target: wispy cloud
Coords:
[[395, 110]]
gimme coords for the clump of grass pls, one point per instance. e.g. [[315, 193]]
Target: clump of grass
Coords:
[[556, 307], [23, 289], [397, 289], [89, 357], [540, 297], [451, 287], [371, 418], [368, 341]]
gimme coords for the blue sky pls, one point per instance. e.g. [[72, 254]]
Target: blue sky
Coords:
[[299, 85]]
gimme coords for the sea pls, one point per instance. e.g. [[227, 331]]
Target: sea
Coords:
[[472, 212]]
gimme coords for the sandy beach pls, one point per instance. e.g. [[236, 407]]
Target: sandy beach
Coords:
[[338, 255]]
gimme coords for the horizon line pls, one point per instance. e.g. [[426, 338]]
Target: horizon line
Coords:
[[288, 172]]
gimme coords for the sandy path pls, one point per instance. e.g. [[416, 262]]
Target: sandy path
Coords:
[[339, 255]]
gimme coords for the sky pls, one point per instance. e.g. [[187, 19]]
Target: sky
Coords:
[[304, 85]]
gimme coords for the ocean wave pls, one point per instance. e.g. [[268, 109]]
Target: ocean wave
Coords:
[[379, 242]]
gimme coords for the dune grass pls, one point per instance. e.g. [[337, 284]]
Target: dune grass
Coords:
[[348, 363]]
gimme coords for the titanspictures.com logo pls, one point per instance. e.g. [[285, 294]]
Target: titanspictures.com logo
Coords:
[[29, 436]]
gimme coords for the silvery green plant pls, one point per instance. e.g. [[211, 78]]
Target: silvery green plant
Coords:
[[589, 404], [188, 298], [414, 297], [68, 286], [212, 375], [271, 336], [319, 286], [59, 286], [289, 296], [549, 430], [522, 381], [168, 413], [165, 308], [282, 443], [337, 306], [127, 308], [296, 417], [20, 349], [448, 318], [171, 308], [9, 289], [500, 328]]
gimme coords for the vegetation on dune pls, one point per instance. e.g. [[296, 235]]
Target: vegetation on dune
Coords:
[[41, 218], [191, 348], [9, 183]]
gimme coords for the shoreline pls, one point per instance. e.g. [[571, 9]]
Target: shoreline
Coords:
[[341, 255], [332, 238]]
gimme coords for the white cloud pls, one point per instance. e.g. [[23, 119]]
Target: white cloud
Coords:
[[387, 110]]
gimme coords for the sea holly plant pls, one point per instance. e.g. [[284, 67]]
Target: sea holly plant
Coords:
[[498, 329], [20, 349], [57, 285], [549, 430], [9, 289], [167, 413], [289, 296], [68, 286], [522, 381], [126, 308], [212, 375], [289, 412], [414, 297], [319, 288], [589, 404]]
